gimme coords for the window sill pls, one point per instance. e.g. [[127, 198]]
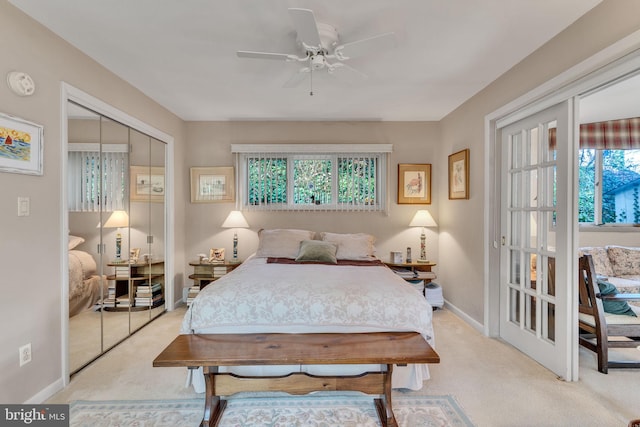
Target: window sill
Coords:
[[609, 228]]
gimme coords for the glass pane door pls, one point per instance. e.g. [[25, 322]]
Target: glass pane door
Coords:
[[530, 228]]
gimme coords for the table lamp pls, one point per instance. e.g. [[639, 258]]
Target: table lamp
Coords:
[[235, 220], [423, 219], [117, 220]]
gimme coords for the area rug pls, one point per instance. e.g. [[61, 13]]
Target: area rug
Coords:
[[286, 411]]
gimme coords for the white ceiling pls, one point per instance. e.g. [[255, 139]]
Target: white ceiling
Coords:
[[182, 54]]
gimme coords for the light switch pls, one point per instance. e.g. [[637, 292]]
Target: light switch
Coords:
[[23, 206]]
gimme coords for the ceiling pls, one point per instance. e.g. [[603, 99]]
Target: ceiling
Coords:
[[183, 54]]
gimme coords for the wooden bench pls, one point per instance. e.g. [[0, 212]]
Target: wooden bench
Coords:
[[211, 351]]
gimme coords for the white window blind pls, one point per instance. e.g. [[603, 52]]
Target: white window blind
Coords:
[[317, 177], [98, 180]]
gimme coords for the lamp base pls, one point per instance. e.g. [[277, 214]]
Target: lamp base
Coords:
[[423, 261]]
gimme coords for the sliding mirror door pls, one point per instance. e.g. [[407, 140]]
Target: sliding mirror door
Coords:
[[87, 284], [116, 186], [147, 230]]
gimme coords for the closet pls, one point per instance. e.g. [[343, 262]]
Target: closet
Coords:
[[116, 208]]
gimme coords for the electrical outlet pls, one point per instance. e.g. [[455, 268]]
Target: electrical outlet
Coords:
[[25, 354]]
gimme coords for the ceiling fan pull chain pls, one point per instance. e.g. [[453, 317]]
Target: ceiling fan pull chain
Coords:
[[310, 78]]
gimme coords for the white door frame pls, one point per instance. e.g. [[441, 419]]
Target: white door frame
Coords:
[[612, 62], [71, 93]]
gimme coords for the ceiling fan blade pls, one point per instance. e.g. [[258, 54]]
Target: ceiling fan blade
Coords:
[[365, 46], [266, 55], [347, 73], [297, 78], [306, 26]]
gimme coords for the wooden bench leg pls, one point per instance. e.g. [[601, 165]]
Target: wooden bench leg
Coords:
[[384, 406], [213, 405]]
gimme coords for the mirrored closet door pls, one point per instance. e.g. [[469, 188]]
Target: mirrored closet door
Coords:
[[116, 184]]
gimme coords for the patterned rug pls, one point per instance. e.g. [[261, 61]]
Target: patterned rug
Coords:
[[288, 411]]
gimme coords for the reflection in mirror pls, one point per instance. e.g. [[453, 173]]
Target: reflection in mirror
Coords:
[[87, 281], [116, 185], [115, 232]]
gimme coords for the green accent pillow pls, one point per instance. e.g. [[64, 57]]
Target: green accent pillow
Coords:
[[613, 307], [317, 251]]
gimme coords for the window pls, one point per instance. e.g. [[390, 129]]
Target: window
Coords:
[[313, 177], [97, 181], [609, 172]]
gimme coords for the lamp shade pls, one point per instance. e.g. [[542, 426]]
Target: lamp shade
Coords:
[[235, 220], [422, 218], [117, 219]]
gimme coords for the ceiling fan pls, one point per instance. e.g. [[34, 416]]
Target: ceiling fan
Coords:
[[320, 50]]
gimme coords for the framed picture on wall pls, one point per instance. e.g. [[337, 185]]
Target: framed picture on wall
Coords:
[[212, 184], [20, 146], [414, 184], [147, 184], [459, 175]]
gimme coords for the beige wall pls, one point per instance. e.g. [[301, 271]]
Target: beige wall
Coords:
[[30, 255], [462, 247], [209, 145]]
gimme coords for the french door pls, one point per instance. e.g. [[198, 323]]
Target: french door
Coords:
[[536, 240]]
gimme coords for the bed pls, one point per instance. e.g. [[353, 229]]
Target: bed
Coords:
[[298, 282], [85, 287]]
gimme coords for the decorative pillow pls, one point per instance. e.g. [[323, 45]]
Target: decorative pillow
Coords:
[[74, 241], [624, 261], [600, 260], [317, 251], [613, 307], [357, 246], [281, 243]]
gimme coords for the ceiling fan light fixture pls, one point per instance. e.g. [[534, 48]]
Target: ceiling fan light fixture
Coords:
[[317, 61]]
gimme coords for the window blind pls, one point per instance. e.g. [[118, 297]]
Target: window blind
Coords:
[[98, 181], [313, 177]]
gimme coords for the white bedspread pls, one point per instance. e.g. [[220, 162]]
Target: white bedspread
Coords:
[[259, 297]]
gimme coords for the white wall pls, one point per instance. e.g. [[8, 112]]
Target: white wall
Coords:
[[30, 247]]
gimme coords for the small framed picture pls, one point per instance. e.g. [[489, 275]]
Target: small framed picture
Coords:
[[459, 175], [147, 184], [216, 255], [212, 184], [134, 255], [20, 146], [414, 184]]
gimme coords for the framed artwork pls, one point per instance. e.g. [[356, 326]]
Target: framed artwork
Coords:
[[414, 184], [20, 146], [459, 175], [216, 255], [134, 255], [146, 184], [212, 184]]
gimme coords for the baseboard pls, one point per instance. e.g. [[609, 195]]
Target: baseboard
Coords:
[[45, 393], [464, 316]]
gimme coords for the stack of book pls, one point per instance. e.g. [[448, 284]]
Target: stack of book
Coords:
[[193, 292], [122, 271], [123, 301], [110, 300], [219, 271], [148, 295]]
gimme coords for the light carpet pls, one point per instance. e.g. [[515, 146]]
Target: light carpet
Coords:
[[286, 411]]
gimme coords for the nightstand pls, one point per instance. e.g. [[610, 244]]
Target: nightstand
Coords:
[[412, 271], [205, 273]]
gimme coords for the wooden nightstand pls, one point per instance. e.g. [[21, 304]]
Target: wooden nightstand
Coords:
[[412, 271], [205, 273], [134, 287]]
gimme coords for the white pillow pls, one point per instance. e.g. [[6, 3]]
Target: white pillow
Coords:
[[358, 246], [74, 241], [281, 243]]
